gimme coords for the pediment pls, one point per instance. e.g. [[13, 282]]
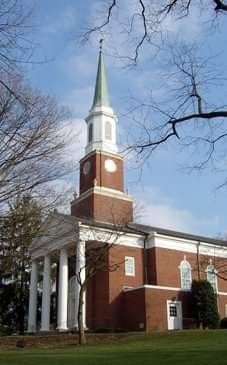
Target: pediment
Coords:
[[56, 231]]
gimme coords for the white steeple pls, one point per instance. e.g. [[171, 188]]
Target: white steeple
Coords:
[[101, 121]]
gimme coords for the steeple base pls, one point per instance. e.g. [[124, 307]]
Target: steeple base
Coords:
[[104, 205]]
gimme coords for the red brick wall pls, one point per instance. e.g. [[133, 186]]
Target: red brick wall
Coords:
[[111, 307], [104, 298], [151, 266], [112, 180], [167, 263], [149, 306], [167, 266], [156, 307], [222, 302], [112, 210], [134, 310], [118, 279], [104, 208], [83, 208], [97, 300]]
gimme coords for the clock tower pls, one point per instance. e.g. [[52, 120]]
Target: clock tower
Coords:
[[101, 194]]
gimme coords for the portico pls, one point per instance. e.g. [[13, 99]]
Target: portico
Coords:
[[58, 240], [64, 240]]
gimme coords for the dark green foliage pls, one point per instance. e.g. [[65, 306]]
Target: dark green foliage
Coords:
[[17, 230], [204, 304], [223, 323]]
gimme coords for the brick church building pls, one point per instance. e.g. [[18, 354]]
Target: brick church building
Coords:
[[145, 278]]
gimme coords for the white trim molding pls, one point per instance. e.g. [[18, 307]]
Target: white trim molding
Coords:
[[101, 190], [185, 245], [157, 287]]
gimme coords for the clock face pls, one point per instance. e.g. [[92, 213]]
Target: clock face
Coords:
[[86, 167], [110, 165]]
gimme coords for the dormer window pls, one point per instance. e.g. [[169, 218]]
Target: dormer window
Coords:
[[90, 132], [108, 130]]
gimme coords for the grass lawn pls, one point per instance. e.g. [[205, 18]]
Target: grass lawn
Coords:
[[183, 347]]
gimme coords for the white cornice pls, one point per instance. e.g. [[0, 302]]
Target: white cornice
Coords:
[[108, 154], [111, 236], [117, 194], [56, 237], [185, 245]]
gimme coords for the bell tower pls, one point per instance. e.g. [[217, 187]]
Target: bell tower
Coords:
[[102, 195]]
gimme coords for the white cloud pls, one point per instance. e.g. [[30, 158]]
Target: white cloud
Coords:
[[154, 208], [83, 66], [79, 100], [73, 132], [59, 192], [189, 28]]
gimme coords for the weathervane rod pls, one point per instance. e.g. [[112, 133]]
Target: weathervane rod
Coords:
[[100, 44]]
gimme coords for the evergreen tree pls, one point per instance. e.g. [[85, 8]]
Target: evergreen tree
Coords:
[[18, 227], [204, 304]]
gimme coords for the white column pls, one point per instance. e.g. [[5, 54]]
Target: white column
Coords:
[[32, 311], [81, 273], [63, 291], [45, 315]]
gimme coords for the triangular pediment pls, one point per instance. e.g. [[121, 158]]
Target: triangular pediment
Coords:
[[56, 231]]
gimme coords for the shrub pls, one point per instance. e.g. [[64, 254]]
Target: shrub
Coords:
[[204, 304], [223, 323]]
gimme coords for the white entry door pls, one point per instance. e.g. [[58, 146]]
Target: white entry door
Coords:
[[174, 315]]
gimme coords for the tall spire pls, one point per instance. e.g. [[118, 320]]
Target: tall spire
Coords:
[[101, 97]]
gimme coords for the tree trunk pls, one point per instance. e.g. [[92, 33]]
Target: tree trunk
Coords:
[[81, 332], [198, 261], [20, 309]]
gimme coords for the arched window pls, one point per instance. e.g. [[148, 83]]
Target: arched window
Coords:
[[90, 132], [212, 277], [108, 130], [185, 274]]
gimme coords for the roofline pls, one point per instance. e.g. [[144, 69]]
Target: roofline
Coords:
[[168, 232], [144, 230]]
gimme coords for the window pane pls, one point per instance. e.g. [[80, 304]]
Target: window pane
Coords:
[[108, 130], [186, 277], [211, 277], [90, 132], [129, 266], [173, 311]]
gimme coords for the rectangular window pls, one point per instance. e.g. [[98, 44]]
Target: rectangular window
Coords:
[[173, 311], [129, 266]]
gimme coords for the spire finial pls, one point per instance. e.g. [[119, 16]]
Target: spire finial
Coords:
[[101, 91], [100, 44]]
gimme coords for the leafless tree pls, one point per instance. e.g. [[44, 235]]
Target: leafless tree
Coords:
[[16, 26], [30, 144], [187, 115], [99, 248], [142, 21]]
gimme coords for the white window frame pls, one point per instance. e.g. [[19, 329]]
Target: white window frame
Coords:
[[185, 265], [90, 132], [108, 130], [210, 270], [130, 266]]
